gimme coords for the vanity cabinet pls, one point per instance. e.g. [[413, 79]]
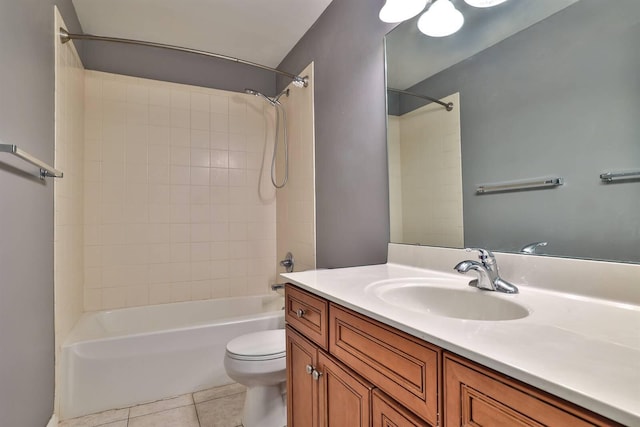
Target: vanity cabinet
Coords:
[[404, 367], [345, 369], [385, 412], [321, 391], [308, 314], [476, 396]]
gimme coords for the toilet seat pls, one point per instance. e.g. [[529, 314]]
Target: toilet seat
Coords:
[[256, 346]]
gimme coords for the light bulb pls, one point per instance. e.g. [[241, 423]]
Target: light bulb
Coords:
[[483, 3], [441, 19], [400, 10]]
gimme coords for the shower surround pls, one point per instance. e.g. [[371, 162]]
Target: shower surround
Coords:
[[177, 203]]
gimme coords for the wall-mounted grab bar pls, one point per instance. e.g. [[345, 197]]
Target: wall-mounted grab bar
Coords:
[[45, 169], [447, 106], [522, 185], [610, 176]]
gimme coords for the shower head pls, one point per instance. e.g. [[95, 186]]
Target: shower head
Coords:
[[265, 97], [300, 81]]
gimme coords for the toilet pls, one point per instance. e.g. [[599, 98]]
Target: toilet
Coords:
[[258, 361]]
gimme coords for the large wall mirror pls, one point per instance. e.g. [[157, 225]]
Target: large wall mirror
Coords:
[[546, 99]]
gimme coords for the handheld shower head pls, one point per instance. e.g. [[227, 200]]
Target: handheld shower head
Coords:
[[265, 97]]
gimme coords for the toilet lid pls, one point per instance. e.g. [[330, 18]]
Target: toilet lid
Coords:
[[258, 345]]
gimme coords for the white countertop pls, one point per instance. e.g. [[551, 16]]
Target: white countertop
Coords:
[[585, 350]]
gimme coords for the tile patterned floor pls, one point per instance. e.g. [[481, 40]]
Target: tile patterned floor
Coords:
[[216, 407]]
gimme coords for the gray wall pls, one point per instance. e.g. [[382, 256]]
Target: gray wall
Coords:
[[351, 163], [560, 98], [352, 206], [26, 212], [177, 67]]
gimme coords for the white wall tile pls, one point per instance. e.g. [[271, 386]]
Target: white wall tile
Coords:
[[167, 210], [296, 202], [199, 102]]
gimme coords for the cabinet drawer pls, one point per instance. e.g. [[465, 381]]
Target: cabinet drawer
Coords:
[[307, 314], [477, 396], [387, 413], [406, 368]]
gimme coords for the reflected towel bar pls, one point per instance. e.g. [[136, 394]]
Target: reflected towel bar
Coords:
[[610, 176], [45, 169], [522, 185]]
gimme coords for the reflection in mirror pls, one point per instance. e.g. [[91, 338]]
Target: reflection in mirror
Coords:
[[425, 176], [545, 88]]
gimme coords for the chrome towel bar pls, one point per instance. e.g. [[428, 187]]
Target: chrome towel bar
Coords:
[[45, 169], [521, 185], [610, 176]]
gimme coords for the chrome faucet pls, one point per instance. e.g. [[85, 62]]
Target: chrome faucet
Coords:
[[532, 248], [288, 262], [487, 269]]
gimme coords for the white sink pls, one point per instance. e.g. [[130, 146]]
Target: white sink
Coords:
[[448, 298]]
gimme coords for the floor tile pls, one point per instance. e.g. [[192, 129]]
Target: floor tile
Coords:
[[161, 405], [214, 393], [184, 416], [221, 412], [98, 419], [123, 423]]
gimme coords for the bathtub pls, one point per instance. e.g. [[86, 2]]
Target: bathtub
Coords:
[[119, 358]]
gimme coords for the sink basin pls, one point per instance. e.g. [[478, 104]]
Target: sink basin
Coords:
[[448, 298]]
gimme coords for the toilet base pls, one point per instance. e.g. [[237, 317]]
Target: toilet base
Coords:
[[265, 406]]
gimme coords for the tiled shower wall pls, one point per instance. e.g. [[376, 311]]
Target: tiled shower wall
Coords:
[[395, 178], [296, 201], [178, 205], [68, 191]]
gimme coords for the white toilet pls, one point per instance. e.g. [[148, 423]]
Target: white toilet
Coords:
[[258, 361]]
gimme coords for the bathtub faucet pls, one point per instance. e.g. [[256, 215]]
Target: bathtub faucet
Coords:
[[277, 286], [288, 262]]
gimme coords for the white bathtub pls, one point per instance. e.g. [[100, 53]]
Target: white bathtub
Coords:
[[120, 358]]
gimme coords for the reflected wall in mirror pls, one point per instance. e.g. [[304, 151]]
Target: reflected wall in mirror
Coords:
[[546, 88], [425, 176]]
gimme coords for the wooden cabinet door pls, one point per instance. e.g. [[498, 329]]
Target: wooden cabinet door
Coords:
[[478, 397], [344, 397], [405, 367], [302, 390], [385, 412]]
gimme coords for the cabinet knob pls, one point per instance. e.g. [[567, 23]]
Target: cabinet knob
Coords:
[[300, 312], [316, 375], [309, 369]]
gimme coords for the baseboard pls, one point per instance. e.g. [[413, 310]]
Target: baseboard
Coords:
[[53, 422]]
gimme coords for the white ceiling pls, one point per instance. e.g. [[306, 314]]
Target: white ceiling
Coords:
[[254, 30], [412, 56]]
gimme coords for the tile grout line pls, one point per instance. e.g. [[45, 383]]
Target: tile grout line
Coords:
[[219, 397], [158, 412], [195, 408]]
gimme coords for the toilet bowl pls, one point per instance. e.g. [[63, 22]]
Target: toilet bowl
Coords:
[[258, 361]]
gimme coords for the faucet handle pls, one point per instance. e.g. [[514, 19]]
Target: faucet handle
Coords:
[[288, 262], [485, 255]]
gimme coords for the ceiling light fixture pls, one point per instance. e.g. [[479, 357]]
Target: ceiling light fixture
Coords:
[[441, 20], [400, 10], [483, 3]]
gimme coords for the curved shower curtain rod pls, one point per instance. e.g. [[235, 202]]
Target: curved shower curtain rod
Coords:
[[447, 106], [66, 36]]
